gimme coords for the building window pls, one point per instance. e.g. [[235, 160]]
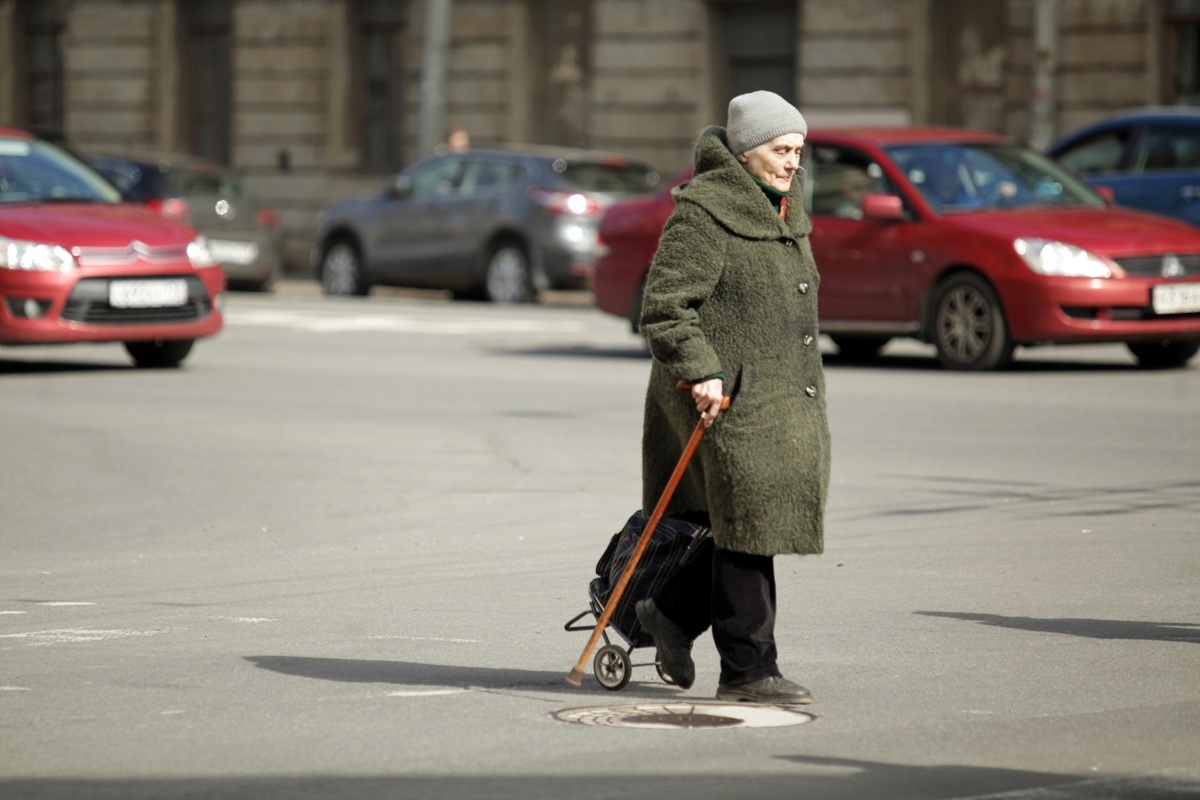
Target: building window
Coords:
[[757, 47], [1182, 53], [40, 29], [380, 24], [207, 31]]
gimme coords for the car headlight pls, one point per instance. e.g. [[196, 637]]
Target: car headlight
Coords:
[[1047, 257], [35, 256], [198, 254]]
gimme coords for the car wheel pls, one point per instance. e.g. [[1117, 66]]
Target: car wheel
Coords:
[[968, 325], [1164, 355], [342, 272], [859, 348], [507, 279], [159, 354]]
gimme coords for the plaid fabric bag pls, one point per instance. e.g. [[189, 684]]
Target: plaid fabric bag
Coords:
[[672, 544]]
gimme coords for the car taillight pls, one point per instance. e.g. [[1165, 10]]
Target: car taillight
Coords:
[[267, 217], [565, 202]]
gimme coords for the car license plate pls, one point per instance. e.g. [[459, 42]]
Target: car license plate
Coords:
[[228, 252], [1176, 298], [147, 294]]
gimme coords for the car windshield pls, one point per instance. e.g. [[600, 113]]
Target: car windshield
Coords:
[[956, 177], [618, 178], [33, 171]]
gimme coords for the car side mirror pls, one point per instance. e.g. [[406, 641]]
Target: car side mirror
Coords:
[[402, 186], [883, 207], [1107, 193]]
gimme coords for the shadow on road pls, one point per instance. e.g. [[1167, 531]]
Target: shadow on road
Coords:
[[406, 673], [1087, 628], [11, 367], [825, 778]]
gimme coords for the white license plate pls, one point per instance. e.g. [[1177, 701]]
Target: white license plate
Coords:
[[147, 294], [228, 252], [1176, 298]]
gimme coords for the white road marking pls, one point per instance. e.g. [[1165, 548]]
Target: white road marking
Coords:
[[250, 619], [64, 603], [394, 323], [72, 635], [428, 639], [13, 612], [14, 689], [424, 693]]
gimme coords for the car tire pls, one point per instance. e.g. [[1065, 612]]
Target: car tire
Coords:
[[342, 271], [159, 354], [507, 278], [1164, 355], [969, 329], [859, 348]]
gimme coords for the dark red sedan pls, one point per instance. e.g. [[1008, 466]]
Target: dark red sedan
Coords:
[[78, 265], [966, 240]]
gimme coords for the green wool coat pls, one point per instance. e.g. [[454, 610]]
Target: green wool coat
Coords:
[[733, 289]]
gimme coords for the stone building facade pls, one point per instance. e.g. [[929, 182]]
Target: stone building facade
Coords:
[[312, 100]]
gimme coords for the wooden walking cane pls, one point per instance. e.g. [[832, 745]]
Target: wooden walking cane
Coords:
[[575, 678]]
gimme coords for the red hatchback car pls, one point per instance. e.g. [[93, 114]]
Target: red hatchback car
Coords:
[[963, 239], [78, 265]]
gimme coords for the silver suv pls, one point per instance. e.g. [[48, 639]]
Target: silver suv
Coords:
[[499, 224]]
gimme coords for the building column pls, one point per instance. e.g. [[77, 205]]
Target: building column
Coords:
[[168, 83], [435, 58], [921, 59], [1043, 108], [9, 68]]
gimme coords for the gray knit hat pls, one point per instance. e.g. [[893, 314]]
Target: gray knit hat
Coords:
[[759, 117]]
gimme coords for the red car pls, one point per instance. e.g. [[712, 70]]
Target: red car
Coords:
[[966, 240], [78, 265]]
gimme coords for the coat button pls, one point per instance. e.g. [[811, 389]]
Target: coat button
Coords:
[[802, 288], [808, 340], [811, 391]]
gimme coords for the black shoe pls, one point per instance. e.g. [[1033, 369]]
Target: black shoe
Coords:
[[674, 647], [774, 690]]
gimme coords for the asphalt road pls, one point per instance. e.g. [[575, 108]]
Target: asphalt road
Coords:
[[333, 556]]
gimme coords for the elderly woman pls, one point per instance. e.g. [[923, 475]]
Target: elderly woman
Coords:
[[731, 309]]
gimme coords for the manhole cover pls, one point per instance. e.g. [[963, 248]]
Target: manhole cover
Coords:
[[685, 715]]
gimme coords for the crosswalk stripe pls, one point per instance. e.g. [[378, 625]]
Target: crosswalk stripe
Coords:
[[394, 323]]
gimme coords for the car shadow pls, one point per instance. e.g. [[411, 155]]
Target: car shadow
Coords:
[[10, 366], [407, 673], [1188, 632]]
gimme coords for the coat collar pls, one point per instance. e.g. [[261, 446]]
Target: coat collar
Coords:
[[723, 188]]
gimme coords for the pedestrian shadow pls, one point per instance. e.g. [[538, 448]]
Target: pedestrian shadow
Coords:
[[806, 776], [634, 352], [406, 673], [866, 778], [1087, 628]]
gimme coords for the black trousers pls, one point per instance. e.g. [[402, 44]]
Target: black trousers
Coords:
[[734, 593]]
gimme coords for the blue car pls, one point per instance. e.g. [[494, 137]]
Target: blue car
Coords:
[[1149, 158]]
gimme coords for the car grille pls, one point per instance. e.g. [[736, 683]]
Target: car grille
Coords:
[[89, 303], [122, 256], [1153, 265]]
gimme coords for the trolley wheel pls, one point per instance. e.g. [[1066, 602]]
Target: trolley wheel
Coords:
[[611, 667]]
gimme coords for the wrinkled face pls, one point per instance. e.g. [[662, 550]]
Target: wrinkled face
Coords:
[[775, 162]]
